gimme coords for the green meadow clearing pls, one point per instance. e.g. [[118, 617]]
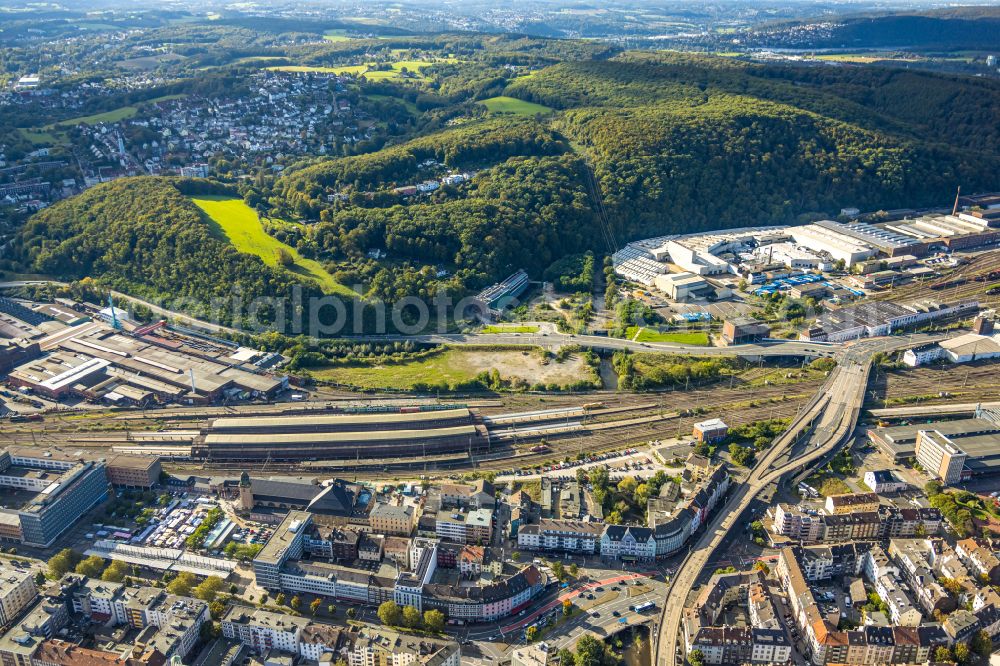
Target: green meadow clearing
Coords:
[[509, 328], [336, 35], [240, 224], [412, 67], [112, 116], [52, 133], [514, 106], [410, 106], [678, 337], [343, 69], [40, 137]]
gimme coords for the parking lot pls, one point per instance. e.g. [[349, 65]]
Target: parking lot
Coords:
[[630, 461]]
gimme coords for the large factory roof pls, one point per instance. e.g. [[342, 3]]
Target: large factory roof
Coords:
[[173, 368], [57, 370], [336, 437], [277, 423], [884, 239]]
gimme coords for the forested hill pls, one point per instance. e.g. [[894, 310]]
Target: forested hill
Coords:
[[676, 143], [143, 237], [682, 143], [474, 144]]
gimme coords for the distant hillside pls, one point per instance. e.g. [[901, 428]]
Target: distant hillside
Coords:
[[677, 143], [955, 29]]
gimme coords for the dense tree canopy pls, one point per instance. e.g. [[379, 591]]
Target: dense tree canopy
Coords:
[[142, 236], [641, 144]]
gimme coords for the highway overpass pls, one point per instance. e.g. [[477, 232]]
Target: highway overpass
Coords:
[[827, 421]]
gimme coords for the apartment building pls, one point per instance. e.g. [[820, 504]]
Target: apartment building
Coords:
[[317, 640], [902, 610], [17, 592], [915, 557], [392, 519], [940, 456], [850, 503], [55, 652], [825, 562], [478, 495], [978, 558], [102, 602], [851, 526], [561, 536], [174, 625], [628, 543], [262, 631], [803, 525], [807, 526], [471, 527], [674, 526], [908, 642]]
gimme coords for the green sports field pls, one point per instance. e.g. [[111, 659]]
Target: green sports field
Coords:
[[514, 106], [240, 224]]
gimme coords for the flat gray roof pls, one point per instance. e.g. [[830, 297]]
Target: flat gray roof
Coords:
[[318, 421], [283, 536], [336, 437], [979, 438]]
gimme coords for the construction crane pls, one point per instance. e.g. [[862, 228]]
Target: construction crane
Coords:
[[115, 324]]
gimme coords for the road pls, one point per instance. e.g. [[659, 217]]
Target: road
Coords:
[[603, 343], [494, 641], [552, 339], [601, 620], [827, 421], [153, 307]]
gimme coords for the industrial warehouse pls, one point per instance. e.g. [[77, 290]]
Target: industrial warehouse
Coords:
[[67, 351], [970, 447]]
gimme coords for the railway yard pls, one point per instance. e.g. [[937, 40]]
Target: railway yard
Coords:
[[513, 431], [977, 278]]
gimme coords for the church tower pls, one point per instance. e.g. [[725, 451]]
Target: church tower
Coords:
[[246, 492]]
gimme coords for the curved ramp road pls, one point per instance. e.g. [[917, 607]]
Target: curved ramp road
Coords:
[[828, 421]]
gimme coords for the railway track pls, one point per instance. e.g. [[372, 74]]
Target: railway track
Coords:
[[978, 266], [973, 381]]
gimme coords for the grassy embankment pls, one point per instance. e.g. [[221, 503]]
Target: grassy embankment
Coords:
[[240, 224]]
